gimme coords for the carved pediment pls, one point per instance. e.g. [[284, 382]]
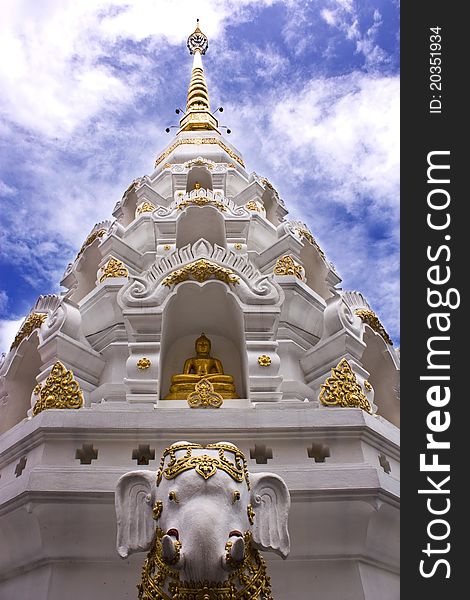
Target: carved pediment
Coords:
[[199, 262]]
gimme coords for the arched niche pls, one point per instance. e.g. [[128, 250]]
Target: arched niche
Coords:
[[199, 175], [128, 207], [86, 273], [20, 380], [270, 206], [384, 376], [210, 308], [198, 222], [315, 270]]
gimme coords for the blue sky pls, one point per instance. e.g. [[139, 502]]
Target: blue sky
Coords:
[[310, 90]]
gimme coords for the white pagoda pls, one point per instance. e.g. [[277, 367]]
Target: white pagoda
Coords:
[[300, 375]]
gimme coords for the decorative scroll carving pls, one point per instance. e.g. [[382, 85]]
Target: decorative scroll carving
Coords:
[[369, 317], [204, 396], [34, 321], [201, 270], [113, 268], [201, 201], [343, 389], [60, 390], [90, 239], [202, 197], [286, 265], [216, 141], [254, 286], [200, 162], [206, 466]]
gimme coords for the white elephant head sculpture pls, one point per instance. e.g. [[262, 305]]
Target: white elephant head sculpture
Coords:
[[203, 517]]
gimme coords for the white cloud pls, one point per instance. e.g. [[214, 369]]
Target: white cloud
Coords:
[[335, 141], [8, 330], [6, 190], [56, 76], [342, 133]]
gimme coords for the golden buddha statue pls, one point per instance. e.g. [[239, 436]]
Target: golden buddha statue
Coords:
[[201, 366]]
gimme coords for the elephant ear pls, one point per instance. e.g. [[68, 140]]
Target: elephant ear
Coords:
[[271, 502], [133, 501]]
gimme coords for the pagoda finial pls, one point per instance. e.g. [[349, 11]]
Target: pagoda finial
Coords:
[[197, 41], [198, 115]]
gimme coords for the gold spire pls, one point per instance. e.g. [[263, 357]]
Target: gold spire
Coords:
[[198, 115]]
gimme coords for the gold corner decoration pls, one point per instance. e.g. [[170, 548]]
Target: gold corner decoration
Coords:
[[370, 318], [146, 207], [286, 265], [204, 396], [264, 360], [143, 363], [60, 390], [34, 321], [342, 389], [113, 268], [90, 239], [201, 270], [199, 140]]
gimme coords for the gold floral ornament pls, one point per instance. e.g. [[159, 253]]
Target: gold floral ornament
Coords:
[[286, 265], [60, 390], [206, 466], [251, 514], [146, 207], [90, 239], [264, 360], [113, 268], [369, 317], [143, 363], [343, 389], [204, 396], [201, 201], [201, 270], [368, 385], [34, 321], [157, 510], [253, 206]]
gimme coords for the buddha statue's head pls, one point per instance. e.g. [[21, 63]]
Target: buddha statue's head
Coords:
[[203, 345]]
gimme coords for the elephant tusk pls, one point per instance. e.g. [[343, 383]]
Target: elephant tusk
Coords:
[[170, 549], [235, 550]]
